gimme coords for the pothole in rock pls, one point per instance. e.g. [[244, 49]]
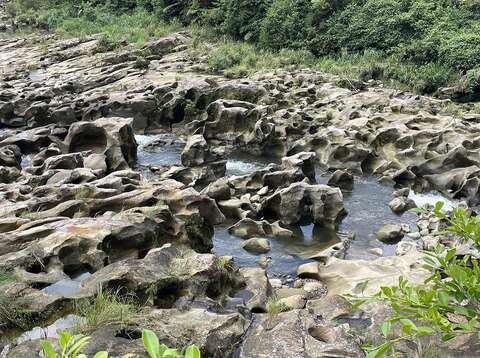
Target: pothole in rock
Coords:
[[285, 254], [67, 287], [159, 149], [368, 210], [66, 323], [37, 75], [322, 334]]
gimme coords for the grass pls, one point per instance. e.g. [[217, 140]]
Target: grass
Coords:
[[6, 276], [104, 308], [275, 306], [85, 192], [137, 28]]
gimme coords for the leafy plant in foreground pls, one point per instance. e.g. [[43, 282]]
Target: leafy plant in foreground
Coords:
[[157, 350], [447, 304], [70, 347]]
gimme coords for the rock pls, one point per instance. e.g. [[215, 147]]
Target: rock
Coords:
[[350, 276], [197, 152], [401, 204], [112, 137], [309, 270], [296, 334], [377, 251], [405, 192], [257, 289], [321, 203], [216, 334], [257, 245], [330, 308], [341, 179], [390, 233], [294, 302]]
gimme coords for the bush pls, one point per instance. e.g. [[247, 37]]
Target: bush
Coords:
[[448, 303], [286, 24], [243, 18]]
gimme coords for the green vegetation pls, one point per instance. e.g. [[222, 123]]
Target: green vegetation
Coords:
[[105, 307], [6, 276], [275, 306], [419, 45], [448, 304], [71, 346], [157, 350]]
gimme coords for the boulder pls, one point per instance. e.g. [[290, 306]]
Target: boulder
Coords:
[[296, 334], [390, 233], [112, 137], [257, 245], [341, 179], [321, 204]]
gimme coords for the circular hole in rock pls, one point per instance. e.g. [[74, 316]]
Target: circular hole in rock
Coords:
[[129, 333], [322, 334]]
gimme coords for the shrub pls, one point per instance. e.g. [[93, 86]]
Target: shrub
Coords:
[[449, 301], [285, 24], [243, 18]]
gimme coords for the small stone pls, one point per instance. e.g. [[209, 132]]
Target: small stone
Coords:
[[376, 251], [294, 302], [405, 192], [401, 204], [276, 283], [390, 233], [257, 245]]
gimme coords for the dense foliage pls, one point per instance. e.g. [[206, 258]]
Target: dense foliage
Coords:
[[432, 43]]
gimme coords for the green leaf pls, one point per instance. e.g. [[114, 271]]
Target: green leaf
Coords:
[[151, 344], [76, 345], [444, 298], [192, 352], [48, 350], [379, 351], [448, 336], [386, 327], [170, 353], [64, 341], [101, 354], [408, 326], [425, 331], [439, 206]]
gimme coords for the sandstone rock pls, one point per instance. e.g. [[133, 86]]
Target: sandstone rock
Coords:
[[390, 233], [296, 334], [341, 179], [401, 204], [257, 245], [112, 137], [321, 203]]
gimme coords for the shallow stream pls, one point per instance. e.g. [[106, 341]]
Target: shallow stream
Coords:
[[367, 206]]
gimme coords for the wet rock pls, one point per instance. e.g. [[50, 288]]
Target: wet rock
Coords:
[[341, 179], [321, 203], [390, 233], [401, 204], [257, 245], [197, 152]]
